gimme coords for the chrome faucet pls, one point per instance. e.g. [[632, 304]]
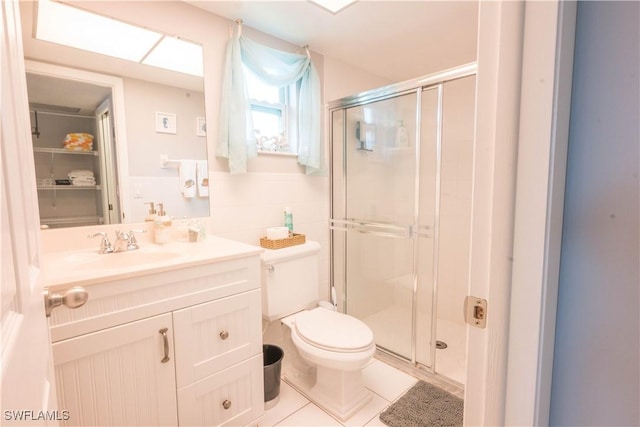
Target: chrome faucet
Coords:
[[126, 241], [123, 242], [105, 244]]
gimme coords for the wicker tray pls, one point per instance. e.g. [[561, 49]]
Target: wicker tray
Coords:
[[296, 239]]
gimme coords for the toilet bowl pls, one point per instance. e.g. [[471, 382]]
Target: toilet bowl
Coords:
[[332, 339], [339, 346], [335, 346]]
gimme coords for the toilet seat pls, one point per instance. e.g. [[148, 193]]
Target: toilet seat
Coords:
[[333, 331]]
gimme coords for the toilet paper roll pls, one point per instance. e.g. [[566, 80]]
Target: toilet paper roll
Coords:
[[277, 233]]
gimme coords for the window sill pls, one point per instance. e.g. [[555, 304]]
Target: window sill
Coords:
[[277, 153]]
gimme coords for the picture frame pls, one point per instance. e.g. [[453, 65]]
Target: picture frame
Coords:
[[165, 122], [201, 126]]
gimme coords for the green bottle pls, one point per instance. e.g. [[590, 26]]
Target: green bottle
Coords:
[[288, 220]]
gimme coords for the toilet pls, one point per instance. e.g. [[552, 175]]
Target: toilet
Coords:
[[337, 346]]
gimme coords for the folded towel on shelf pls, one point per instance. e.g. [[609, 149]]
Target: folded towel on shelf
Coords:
[[80, 173], [203, 178], [89, 182], [84, 179], [188, 178], [80, 141]]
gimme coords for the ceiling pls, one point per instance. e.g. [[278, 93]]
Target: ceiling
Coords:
[[396, 40]]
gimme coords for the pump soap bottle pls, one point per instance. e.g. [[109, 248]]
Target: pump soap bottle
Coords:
[[162, 226], [152, 215]]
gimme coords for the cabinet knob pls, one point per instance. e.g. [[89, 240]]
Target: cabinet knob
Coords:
[[226, 404], [224, 335]]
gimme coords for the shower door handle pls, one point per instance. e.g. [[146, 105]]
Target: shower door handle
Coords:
[[364, 226], [421, 231]]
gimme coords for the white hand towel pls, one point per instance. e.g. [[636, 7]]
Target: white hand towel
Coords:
[[203, 178], [80, 174], [87, 180], [188, 178]]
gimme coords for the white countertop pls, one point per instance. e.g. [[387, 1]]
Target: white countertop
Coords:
[[87, 267]]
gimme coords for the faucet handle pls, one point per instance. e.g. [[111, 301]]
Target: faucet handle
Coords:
[[133, 243], [105, 244]]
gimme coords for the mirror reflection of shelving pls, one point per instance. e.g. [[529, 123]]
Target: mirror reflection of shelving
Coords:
[[60, 202]]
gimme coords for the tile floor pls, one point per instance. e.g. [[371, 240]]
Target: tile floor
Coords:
[[387, 383]]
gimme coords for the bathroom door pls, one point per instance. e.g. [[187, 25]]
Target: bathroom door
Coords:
[[377, 215], [27, 383]]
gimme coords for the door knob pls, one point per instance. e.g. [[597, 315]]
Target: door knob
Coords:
[[72, 298]]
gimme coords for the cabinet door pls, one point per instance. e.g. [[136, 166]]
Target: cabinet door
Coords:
[[119, 376], [232, 397], [215, 335]]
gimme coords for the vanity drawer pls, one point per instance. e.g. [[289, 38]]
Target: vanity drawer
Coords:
[[117, 302], [231, 397], [212, 336]]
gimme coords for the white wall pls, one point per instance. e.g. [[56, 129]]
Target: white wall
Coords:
[[148, 182], [342, 80], [142, 100], [243, 206], [596, 362]]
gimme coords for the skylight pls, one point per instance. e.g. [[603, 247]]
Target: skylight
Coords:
[[333, 6], [69, 26], [177, 55]]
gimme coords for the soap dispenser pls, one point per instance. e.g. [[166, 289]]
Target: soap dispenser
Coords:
[[152, 215], [162, 226]]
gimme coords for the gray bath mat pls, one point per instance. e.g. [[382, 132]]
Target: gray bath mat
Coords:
[[424, 405]]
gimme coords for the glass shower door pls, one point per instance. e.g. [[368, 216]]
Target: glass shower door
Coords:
[[379, 210], [401, 216]]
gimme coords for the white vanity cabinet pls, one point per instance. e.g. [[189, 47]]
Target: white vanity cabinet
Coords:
[[215, 335], [210, 339], [116, 376], [170, 346]]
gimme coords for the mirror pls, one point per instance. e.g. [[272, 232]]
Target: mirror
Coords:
[[137, 117]]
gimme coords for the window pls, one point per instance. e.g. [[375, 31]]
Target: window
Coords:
[[273, 114]]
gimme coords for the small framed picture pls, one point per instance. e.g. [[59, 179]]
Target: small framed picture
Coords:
[[165, 122], [201, 126]]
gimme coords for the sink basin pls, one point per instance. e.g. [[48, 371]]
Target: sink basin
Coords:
[[120, 259]]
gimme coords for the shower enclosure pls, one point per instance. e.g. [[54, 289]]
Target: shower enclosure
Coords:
[[401, 214]]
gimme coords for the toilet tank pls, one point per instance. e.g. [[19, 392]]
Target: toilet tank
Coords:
[[289, 279]]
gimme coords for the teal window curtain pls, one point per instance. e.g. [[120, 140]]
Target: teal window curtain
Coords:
[[275, 67]]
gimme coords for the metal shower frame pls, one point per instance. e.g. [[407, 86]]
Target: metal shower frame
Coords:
[[418, 86]]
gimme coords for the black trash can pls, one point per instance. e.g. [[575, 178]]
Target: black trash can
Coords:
[[272, 361]]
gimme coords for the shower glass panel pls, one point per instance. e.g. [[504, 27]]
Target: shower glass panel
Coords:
[[402, 161], [427, 239], [381, 217]]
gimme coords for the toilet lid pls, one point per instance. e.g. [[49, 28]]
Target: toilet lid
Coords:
[[332, 330]]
